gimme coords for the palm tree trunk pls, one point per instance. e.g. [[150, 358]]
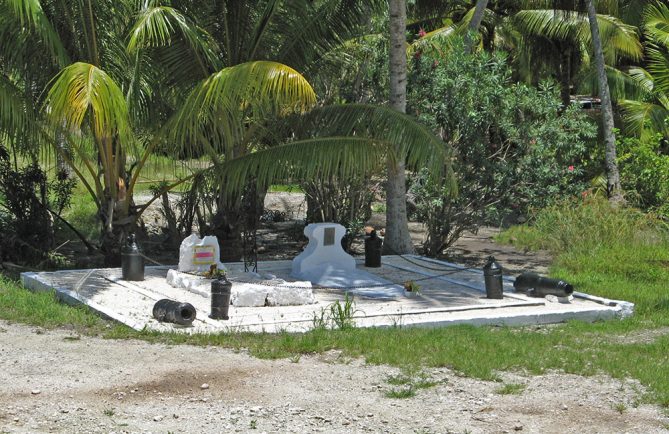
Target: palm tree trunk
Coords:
[[565, 76], [612, 173], [397, 238], [474, 24]]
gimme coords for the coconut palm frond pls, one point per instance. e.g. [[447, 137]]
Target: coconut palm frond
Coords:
[[162, 26], [442, 39], [658, 66], [215, 107], [303, 159], [316, 28], [548, 23], [631, 84], [82, 89], [31, 15], [620, 39], [410, 140], [639, 116], [343, 140], [17, 119], [656, 23]]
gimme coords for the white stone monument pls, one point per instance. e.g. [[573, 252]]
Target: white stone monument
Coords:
[[324, 262], [324, 256]]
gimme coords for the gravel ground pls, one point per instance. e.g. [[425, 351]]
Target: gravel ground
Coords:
[[54, 381]]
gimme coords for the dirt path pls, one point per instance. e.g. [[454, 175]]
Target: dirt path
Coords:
[[55, 382]]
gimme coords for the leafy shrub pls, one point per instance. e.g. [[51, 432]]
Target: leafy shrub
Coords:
[[25, 218], [645, 174], [514, 146], [344, 201]]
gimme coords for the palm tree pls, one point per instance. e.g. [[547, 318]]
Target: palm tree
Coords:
[[397, 239], [557, 41], [91, 32], [475, 22], [645, 102], [612, 174], [227, 111], [297, 33]]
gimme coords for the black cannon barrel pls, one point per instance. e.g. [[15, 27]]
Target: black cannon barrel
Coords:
[[132, 261], [176, 312], [540, 286], [221, 290], [493, 279], [373, 247]]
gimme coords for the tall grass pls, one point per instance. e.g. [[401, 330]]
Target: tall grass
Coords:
[[619, 253]]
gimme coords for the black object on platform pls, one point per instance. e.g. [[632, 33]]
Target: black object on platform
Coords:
[[221, 289], [167, 310], [538, 286], [492, 275], [132, 261], [373, 247]]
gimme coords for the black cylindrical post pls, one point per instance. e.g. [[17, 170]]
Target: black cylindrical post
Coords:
[[167, 310], [373, 247], [221, 289], [539, 286], [132, 261], [492, 275]]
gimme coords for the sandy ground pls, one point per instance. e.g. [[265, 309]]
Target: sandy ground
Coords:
[[54, 381]]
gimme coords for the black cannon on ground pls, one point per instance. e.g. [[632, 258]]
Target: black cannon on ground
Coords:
[[539, 286]]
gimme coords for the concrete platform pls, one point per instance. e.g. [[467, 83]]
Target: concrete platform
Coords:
[[449, 294]]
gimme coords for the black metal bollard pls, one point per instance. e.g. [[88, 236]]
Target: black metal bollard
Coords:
[[539, 286], [492, 275], [132, 261], [373, 247], [221, 289], [167, 310]]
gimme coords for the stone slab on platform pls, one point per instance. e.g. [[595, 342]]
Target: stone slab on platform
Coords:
[[449, 294]]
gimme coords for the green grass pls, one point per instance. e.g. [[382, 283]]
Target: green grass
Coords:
[[401, 392], [510, 389], [622, 256], [289, 188]]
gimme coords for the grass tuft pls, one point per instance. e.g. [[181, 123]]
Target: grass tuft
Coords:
[[510, 389]]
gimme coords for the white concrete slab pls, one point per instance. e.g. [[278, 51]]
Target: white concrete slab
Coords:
[[449, 294]]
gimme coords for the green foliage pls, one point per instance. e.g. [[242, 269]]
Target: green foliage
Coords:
[[43, 309], [514, 148], [346, 201], [26, 195], [644, 173], [510, 389], [338, 315], [620, 253], [358, 72], [341, 314], [401, 392]]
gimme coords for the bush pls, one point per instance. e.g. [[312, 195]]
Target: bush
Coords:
[[644, 171], [514, 146]]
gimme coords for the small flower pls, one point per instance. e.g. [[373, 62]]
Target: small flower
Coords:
[[570, 168], [421, 32]]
